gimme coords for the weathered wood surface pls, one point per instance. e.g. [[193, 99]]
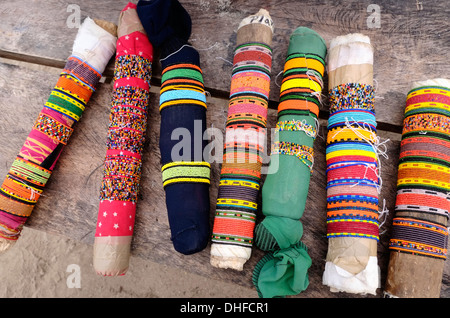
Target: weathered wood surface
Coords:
[[70, 201], [410, 45]]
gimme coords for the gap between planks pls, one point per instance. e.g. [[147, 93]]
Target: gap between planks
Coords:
[[30, 60]]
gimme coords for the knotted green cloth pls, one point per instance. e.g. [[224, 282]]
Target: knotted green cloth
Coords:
[[284, 270]]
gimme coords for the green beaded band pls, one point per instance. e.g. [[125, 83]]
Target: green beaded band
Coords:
[[30, 171], [306, 55], [182, 72], [182, 172], [62, 105]]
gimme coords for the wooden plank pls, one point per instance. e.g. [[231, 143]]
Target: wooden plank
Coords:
[[410, 44], [70, 202]]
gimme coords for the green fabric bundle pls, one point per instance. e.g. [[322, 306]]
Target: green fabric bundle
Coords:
[[283, 271]]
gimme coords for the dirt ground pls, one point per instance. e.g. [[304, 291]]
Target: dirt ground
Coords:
[[42, 265]]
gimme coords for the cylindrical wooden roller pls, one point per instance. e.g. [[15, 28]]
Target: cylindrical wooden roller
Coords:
[[419, 238], [234, 222], [352, 169], [126, 135]]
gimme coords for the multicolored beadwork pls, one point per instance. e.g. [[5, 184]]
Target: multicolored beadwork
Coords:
[[237, 201], [296, 125], [125, 141], [352, 160], [353, 152], [126, 134], [423, 183], [234, 218], [51, 132], [416, 236], [186, 172], [302, 152]]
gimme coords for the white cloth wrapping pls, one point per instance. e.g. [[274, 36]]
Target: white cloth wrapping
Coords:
[[94, 45], [364, 282]]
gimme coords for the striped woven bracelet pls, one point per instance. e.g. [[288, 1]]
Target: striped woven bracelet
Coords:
[[183, 104], [419, 238], [32, 168], [416, 236], [236, 207], [185, 171], [353, 170]]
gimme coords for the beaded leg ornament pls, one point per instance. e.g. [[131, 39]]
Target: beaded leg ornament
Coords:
[[185, 173], [126, 135], [419, 236], [234, 222], [352, 169], [93, 47], [283, 270]]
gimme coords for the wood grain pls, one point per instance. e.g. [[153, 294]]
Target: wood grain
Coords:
[[70, 201], [410, 45]]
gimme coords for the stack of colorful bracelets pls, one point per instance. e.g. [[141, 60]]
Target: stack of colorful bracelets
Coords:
[[125, 142], [51, 131], [423, 183], [352, 167], [244, 145]]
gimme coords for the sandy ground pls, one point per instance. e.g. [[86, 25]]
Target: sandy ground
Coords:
[[43, 265]]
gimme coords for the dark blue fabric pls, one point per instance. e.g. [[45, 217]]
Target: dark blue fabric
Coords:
[[170, 54], [168, 26], [188, 212], [188, 204], [191, 122], [163, 19]]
